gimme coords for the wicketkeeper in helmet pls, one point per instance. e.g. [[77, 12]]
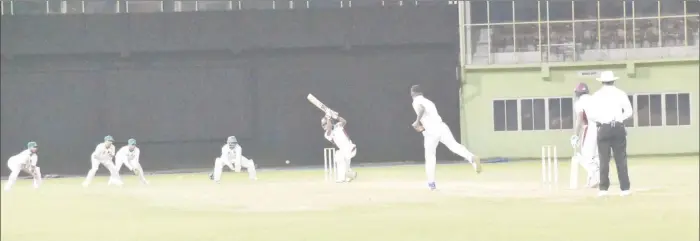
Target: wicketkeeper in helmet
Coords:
[[24, 161], [103, 154], [231, 156], [129, 156], [584, 139]]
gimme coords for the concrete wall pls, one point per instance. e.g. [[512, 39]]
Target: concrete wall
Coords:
[[482, 85]]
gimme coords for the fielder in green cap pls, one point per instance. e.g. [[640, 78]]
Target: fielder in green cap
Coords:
[[24, 161], [103, 154], [129, 156]]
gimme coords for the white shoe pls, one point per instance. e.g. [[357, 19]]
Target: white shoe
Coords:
[[85, 184], [625, 193], [602, 193]]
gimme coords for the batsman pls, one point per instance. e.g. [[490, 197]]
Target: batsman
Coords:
[[24, 161], [334, 131], [585, 139]]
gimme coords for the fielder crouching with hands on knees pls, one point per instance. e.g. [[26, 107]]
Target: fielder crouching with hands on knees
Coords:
[[611, 110], [24, 161]]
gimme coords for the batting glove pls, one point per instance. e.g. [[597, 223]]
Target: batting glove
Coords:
[[574, 141]]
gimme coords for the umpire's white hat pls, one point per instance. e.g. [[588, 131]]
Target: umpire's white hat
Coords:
[[607, 76]]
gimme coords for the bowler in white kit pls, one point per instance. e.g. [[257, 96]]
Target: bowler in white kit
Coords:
[[429, 123], [24, 161], [336, 134], [103, 154], [231, 156], [129, 156], [585, 139]]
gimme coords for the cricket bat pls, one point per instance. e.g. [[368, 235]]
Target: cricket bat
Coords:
[[321, 106]]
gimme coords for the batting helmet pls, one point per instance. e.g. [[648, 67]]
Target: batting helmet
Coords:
[[581, 89]]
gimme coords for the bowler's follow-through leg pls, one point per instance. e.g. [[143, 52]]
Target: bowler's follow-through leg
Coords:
[[449, 141]]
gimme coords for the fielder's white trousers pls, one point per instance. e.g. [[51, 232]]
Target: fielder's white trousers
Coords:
[[15, 165], [588, 154], [440, 133], [245, 162], [134, 164], [113, 174], [343, 158]]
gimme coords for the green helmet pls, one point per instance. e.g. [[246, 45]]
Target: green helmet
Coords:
[[132, 142], [109, 138], [31, 145], [231, 139]]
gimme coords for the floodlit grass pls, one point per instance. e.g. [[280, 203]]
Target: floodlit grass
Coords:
[[506, 202]]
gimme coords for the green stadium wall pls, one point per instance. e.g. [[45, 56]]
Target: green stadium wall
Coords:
[[482, 84]]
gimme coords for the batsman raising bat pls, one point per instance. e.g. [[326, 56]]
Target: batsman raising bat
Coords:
[[129, 156], [334, 131], [429, 123], [24, 161]]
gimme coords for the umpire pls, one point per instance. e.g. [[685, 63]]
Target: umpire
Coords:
[[612, 108]]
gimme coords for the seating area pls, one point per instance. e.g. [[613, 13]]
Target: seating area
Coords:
[[584, 41], [655, 30]]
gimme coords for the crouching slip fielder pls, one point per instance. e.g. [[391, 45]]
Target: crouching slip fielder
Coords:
[[24, 161], [429, 122], [585, 139], [129, 156], [103, 154], [335, 133], [231, 156]]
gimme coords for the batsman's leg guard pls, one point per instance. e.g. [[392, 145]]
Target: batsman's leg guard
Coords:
[[341, 167], [350, 174]]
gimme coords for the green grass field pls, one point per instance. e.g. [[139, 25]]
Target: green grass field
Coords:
[[506, 202]]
